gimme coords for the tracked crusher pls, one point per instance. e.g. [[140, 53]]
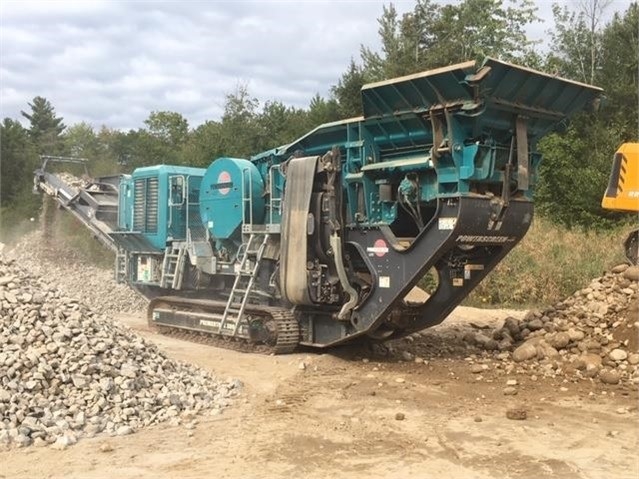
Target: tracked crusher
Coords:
[[319, 242]]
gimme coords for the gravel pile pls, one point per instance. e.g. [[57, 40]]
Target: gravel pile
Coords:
[[593, 334], [73, 181], [74, 276], [67, 372]]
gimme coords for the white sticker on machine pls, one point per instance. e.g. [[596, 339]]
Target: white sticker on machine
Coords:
[[447, 223], [471, 267], [384, 281]]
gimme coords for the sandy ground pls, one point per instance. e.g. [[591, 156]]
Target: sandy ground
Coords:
[[337, 418]]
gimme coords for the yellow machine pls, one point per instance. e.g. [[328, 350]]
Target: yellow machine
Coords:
[[622, 193]]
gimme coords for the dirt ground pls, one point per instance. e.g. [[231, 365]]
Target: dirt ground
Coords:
[[338, 417]]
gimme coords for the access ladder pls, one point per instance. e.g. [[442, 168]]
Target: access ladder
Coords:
[[244, 281], [173, 267]]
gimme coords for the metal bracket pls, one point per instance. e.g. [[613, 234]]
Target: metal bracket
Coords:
[[438, 135], [523, 159]]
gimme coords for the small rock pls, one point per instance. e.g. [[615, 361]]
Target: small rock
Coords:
[[106, 447], [620, 268], [476, 369], [510, 391], [22, 440], [485, 342], [511, 382], [524, 352], [633, 359], [10, 297], [617, 355], [512, 325], [400, 380], [478, 419], [406, 356], [546, 351], [400, 416], [80, 381], [631, 273], [560, 340], [124, 431], [609, 377], [588, 361], [39, 442], [575, 335], [301, 366], [64, 441], [517, 414], [5, 396], [535, 325]]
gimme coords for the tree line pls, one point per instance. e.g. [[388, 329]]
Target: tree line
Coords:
[[576, 161]]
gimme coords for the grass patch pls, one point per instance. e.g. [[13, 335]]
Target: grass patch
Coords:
[[549, 264]]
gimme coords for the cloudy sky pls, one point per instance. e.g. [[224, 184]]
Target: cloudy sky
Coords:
[[113, 62]]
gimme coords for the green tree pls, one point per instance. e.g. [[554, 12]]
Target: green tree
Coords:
[[161, 142], [619, 70], [279, 124], [473, 29], [239, 128], [45, 127], [401, 42], [577, 163], [322, 111], [574, 173], [347, 91], [18, 160], [435, 35], [204, 145], [168, 126], [80, 140], [577, 40]]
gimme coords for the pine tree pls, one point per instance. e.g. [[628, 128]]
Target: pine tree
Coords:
[[46, 128]]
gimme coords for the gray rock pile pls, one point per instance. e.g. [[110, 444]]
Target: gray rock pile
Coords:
[[67, 372], [94, 286], [593, 334]]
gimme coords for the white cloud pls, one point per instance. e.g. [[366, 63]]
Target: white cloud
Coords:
[[113, 62]]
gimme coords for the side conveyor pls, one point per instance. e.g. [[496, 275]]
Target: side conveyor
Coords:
[[93, 202]]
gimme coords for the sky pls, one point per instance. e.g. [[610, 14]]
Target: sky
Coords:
[[112, 62]]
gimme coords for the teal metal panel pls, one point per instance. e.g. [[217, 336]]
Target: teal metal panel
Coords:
[[418, 92], [227, 182], [125, 203], [460, 118], [157, 219]]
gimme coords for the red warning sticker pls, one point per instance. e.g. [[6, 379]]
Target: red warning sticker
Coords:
[[224, 182], [379, 249]]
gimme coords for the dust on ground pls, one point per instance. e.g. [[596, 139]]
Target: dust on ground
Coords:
[[354, 415]]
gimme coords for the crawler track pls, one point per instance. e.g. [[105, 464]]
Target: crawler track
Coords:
[[281, 323]]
